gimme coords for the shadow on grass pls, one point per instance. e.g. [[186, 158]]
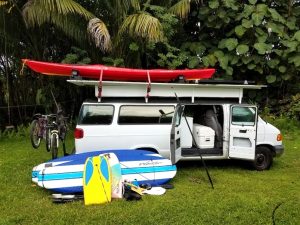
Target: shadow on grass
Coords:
[[217, 164]]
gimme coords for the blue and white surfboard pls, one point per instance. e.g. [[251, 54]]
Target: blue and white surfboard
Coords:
[[64, 175]]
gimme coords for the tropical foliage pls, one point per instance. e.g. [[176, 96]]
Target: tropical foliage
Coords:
[[250, 39]]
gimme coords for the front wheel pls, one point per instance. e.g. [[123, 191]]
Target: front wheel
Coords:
[[54, 145], [34, 134], [263, 158], [48, 139]]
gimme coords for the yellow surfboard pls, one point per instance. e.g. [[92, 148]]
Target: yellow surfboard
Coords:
[[97, 180]]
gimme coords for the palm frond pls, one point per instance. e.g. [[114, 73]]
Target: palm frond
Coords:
[[143, 25], [182, 8], [3, 2], [37, 12], [99, 34], [135, 5]]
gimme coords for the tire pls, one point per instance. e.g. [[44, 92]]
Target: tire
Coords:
[[48, 139], [34, 134], [54, 149], [263, 158]]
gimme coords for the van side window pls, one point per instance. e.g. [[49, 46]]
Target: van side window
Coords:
[[243, 116], [132, 114], [96, 114]]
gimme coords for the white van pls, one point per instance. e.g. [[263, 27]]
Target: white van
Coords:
[[217, 128]]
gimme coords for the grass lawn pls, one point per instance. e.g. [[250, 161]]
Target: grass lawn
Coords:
[[241, 195]]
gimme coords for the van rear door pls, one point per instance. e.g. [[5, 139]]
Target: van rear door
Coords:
[[242, 133], [176, 135]]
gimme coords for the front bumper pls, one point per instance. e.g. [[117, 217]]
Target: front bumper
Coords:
[[278, 149]]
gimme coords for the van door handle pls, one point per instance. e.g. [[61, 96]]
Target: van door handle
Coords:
[[243, 131], [178, 132]]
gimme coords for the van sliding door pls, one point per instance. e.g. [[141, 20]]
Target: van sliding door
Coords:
[[176, 135], [243, 127]]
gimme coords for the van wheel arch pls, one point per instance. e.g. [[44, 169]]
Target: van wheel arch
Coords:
[[263, 158]]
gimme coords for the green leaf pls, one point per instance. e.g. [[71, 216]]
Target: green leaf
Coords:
[[234, 59], [231, 43], [273, 63], [282, 69], [291, 23], [224, 62], [292, 45], [276, 28], [251, 66], [257, 18], [219, 54], [246, 59], [271, 79], [209, 60], [276, 16], [286, 76], [248, 10], [213, 4], [231, 4], [133, 47], [222, 44], [263, 48], [242, 49], [297, 36], [229, 71], [247, 23], [252, 2], [240, 30], [221, 14], [295, 59], [262, 8], [193, 62]]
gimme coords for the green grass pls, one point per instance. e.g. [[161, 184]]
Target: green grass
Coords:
[[241, 195]]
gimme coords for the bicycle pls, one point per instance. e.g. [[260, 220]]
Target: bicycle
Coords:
[[40, 131], [58, 131]]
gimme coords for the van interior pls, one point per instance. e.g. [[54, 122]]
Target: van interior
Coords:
[[206, 122]]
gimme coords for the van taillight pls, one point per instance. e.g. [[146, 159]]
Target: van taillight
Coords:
[[78, 133]]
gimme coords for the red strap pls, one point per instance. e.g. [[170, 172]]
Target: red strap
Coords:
[[100, 86], [148, 86]]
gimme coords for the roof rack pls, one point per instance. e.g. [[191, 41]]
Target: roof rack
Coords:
[[143, 89]]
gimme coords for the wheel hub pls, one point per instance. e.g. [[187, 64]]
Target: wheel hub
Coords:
[[260, 159]]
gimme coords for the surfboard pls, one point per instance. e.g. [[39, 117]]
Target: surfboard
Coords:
[[117, 73], [97, 180], [116, 176], [65, 174]]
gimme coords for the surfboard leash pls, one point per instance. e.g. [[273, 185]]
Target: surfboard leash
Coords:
[[202, 160]]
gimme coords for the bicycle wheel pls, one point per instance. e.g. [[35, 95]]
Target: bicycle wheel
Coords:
[[48, 139], [54, 145], [34, 134]]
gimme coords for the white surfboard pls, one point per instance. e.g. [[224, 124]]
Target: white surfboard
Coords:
[[116, 182]]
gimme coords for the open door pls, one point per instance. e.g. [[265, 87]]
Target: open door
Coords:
[[243, 127], [176, 134]]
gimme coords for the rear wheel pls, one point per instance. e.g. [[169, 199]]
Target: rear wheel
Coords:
[[54, 145], [34, 134], [263, 158]]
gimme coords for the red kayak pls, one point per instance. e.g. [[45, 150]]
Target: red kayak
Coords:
[[116, 73]]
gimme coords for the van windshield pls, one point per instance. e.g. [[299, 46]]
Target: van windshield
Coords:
[[96, 114]]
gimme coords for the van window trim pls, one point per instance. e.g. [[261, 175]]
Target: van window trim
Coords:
[[95, 104], [144, 124]]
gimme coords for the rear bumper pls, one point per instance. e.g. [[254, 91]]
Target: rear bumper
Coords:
[[279, 149]]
